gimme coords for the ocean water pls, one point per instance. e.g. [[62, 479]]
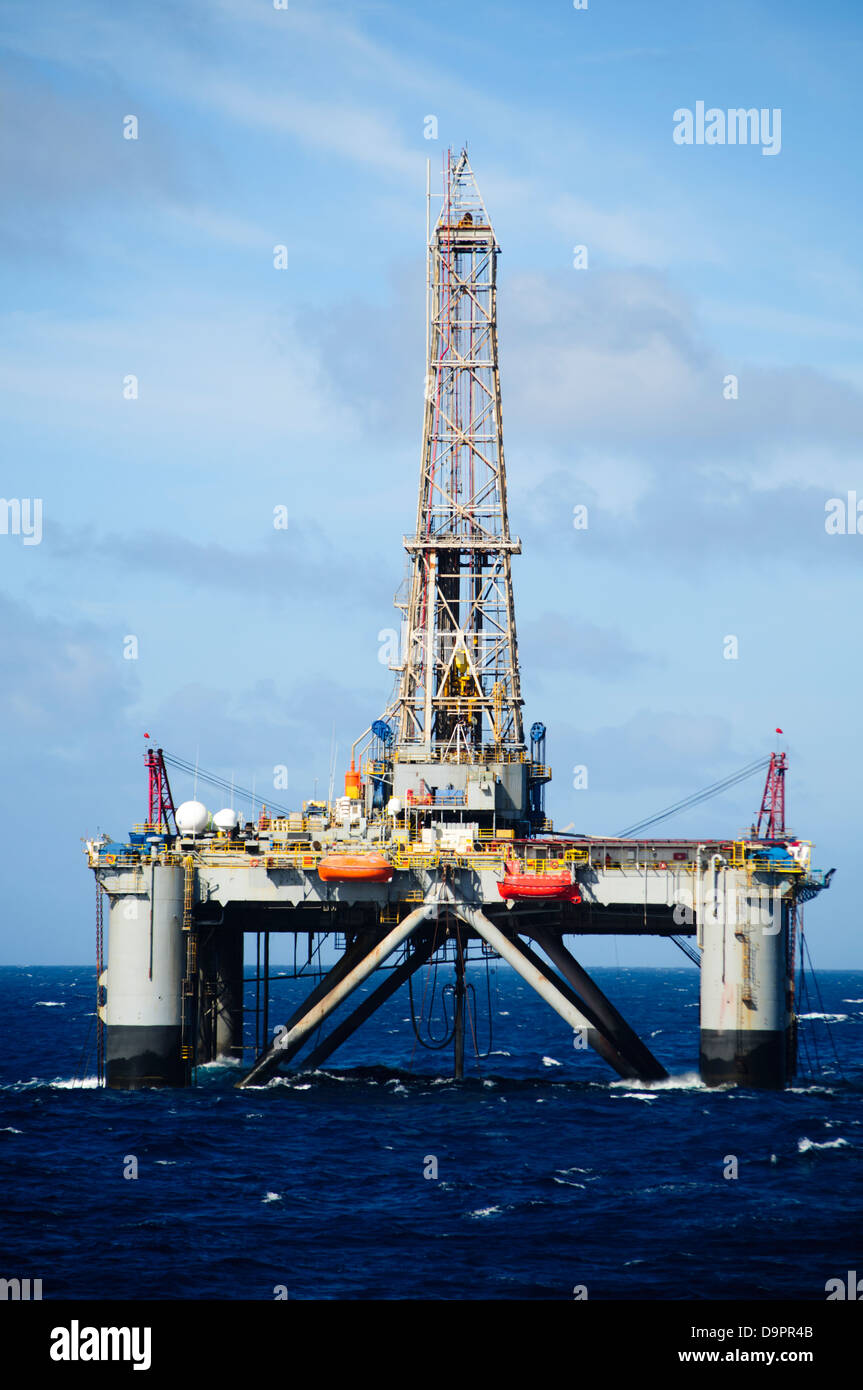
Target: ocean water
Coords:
[[551, 1173]]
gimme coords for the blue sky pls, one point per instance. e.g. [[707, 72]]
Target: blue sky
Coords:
[[303, 387]]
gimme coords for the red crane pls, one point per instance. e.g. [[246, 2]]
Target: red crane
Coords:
[[161, 802], [772, 812]]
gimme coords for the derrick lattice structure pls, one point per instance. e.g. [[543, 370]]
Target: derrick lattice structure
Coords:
[[459, 694]]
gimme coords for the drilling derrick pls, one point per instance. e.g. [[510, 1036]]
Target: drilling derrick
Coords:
[[458, 711]]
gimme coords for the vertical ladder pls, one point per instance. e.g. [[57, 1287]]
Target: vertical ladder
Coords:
[[190, 979], [100, 966]]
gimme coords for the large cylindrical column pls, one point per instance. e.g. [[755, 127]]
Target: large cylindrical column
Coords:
[[146, 961], [220, 993], [745, 984]]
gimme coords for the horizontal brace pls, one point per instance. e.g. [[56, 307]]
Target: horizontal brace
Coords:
[[490, 544]]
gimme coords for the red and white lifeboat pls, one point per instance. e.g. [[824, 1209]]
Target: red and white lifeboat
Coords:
[[553, 885], [356, 868]]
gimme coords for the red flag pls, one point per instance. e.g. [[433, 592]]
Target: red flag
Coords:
[[779, 731]]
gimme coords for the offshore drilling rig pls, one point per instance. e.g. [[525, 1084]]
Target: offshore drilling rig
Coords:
[[440, 846]]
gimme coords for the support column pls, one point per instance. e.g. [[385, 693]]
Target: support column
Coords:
[[351, 957], [458, 1023], [143, 1009], [220, 984], [745, 985]]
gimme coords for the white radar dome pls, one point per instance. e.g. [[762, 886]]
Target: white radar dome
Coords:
[[192, 817], [226, 820]]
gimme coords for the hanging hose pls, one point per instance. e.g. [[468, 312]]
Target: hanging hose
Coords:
[[804, 945], [436, 1044], [81, 1069], [473, 1019], [449, 1029], [803, 1033], [432, 1047]]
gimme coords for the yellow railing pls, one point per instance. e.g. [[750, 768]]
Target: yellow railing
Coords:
[[415, 855], [237, 858], [405, 859], [543, 866], [418, 753], [770, 866]]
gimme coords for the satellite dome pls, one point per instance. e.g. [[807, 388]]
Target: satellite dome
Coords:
[[192, 817], [226, 819]]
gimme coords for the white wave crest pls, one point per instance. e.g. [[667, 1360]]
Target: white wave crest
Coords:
[[804, 1145], [828, 1018], [685, 1081]]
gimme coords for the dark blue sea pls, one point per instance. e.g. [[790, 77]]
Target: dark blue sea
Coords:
[[551, 1174]]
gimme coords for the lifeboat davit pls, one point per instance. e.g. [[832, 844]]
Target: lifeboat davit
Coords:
[[554, 886], [363, 868]]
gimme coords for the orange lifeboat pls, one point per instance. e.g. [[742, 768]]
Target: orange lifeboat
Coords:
[[363, 868], [554, 886]]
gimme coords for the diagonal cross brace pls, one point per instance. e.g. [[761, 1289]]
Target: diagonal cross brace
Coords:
[[606, 1017], [534, 971], [421, 952], [268, 1063]]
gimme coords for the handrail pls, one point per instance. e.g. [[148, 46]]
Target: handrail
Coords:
[[489, 753]]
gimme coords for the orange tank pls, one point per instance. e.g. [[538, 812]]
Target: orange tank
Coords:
[[365, 868], [352, 782]]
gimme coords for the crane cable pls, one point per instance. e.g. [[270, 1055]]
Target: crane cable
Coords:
[[696, 798], [223, 785]]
